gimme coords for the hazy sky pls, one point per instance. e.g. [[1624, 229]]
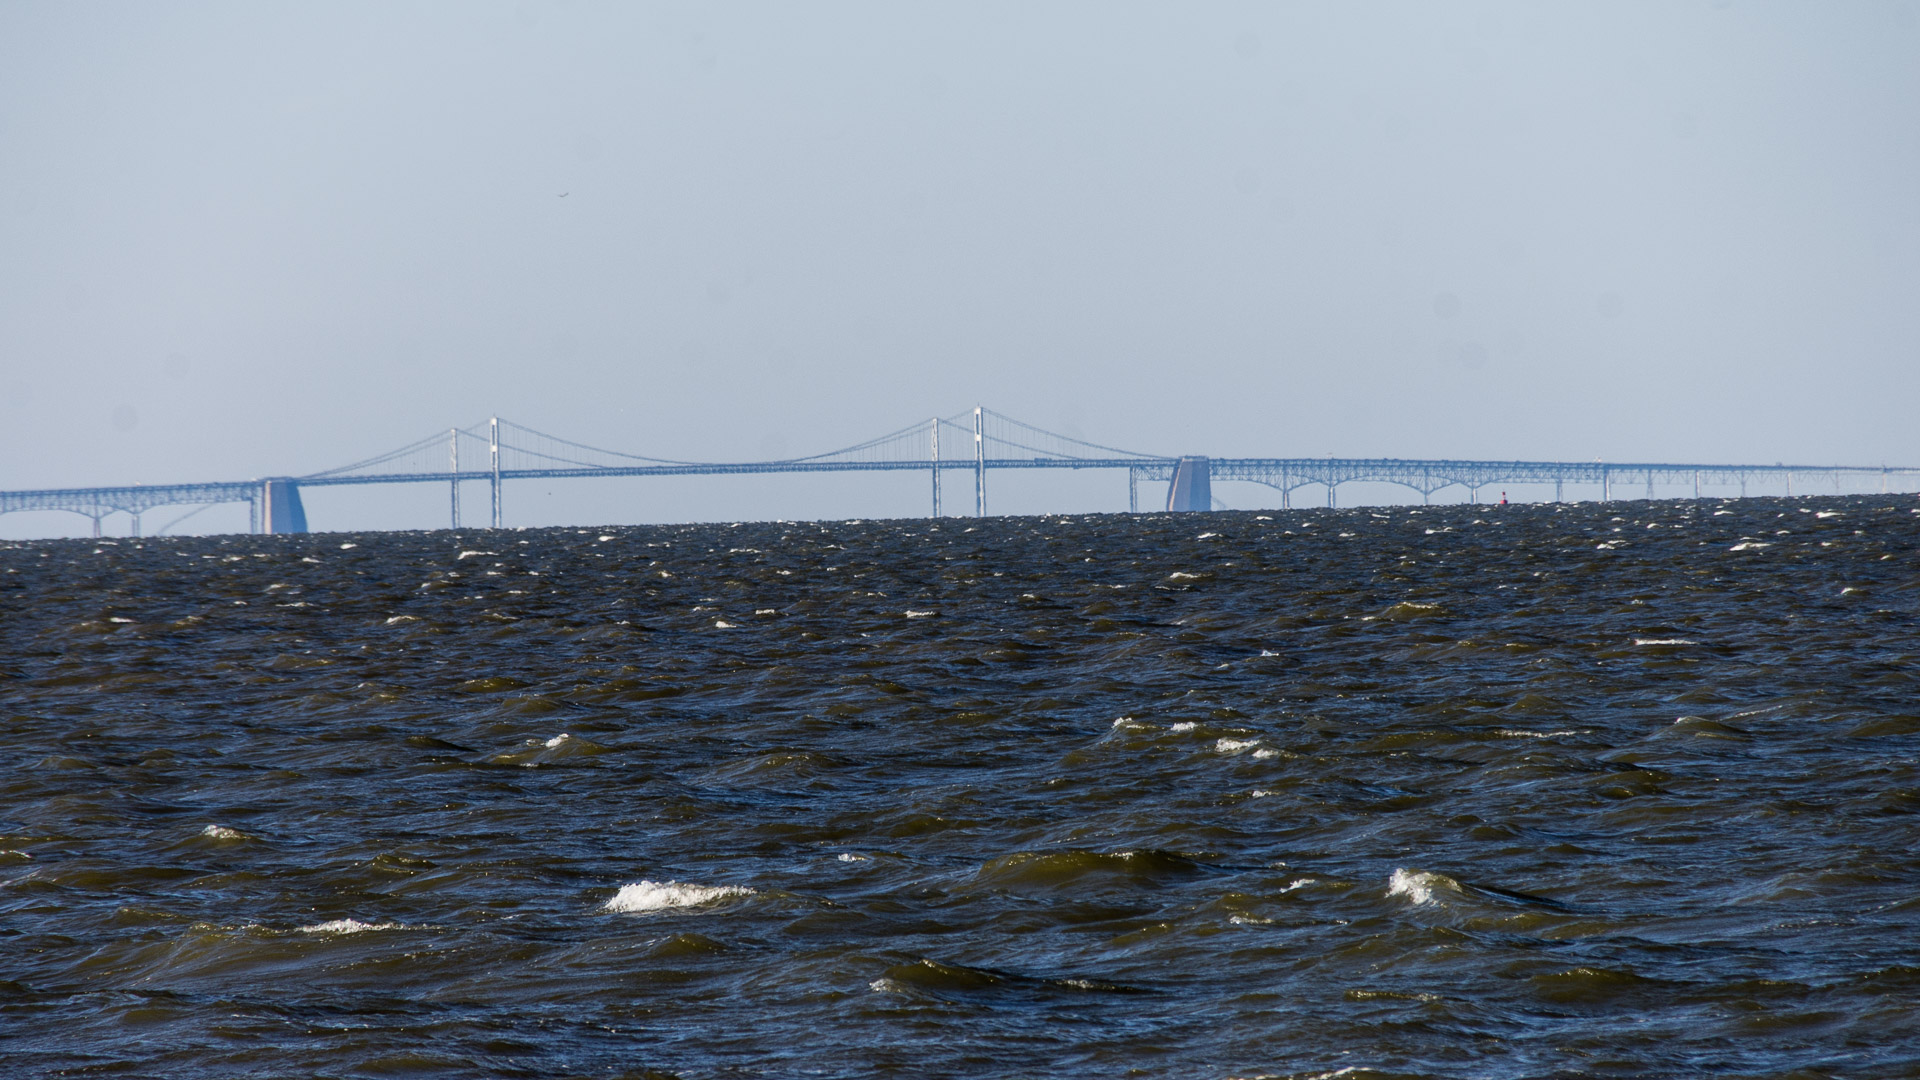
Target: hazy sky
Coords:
[[255, 239]]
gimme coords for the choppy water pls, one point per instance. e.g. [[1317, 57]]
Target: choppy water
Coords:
[[1468, 791]]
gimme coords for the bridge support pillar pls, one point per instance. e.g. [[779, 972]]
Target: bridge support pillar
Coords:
[[281, 511], [1191, 488]]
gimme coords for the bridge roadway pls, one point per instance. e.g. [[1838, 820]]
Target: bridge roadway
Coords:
[[276, 507]]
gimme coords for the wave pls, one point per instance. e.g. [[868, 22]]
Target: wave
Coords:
[[948, 981], [1061, 869], [1426, 887], [666, 895], [349, 926], [1419, 886]]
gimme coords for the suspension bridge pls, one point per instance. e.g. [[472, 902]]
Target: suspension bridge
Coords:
[[964, 447]]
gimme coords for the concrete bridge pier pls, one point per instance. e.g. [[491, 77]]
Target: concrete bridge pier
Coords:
[[280, 508], [1191, 488]]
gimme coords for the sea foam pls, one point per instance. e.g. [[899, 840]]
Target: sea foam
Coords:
[[1417, 885], [347, 926], [662, 895]]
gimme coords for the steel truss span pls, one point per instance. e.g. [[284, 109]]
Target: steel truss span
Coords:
[[977, 442]]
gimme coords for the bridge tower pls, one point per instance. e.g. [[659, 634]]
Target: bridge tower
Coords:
[[936, 466], [979, 462], [453, 470], [493, 448]]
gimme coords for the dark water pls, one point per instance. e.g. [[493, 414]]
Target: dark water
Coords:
[[1480, 792]]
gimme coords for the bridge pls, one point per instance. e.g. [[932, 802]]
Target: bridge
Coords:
[[963, 447]]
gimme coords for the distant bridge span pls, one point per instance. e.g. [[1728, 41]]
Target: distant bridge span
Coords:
[[498, 451]]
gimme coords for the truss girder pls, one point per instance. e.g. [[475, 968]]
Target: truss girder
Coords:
[[1427, 477], [99, 502]]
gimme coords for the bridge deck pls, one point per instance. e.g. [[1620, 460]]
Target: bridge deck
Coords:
[[1426, 476], [995, 442]]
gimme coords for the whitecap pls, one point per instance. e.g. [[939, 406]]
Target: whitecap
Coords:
[[348, 926], [1264, 753], [558, 739], [1415, 885], [1748, 545], [848, 856], [1182, 575], [1234, 746], [921, 614], [473, 554], [1663, 641], [1206, 536], [663, 895], [604, 539], [722, 624], [1184, 725], [221, 832]]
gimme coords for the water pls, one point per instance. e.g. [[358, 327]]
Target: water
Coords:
[[1463, 791]]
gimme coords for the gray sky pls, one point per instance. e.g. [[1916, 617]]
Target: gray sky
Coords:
[[247, 239]]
